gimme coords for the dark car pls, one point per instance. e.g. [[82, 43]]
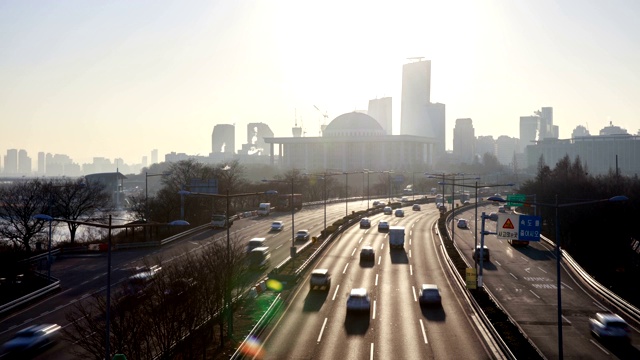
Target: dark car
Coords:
[[367, 254], [302, 235], [30, 341], [365, 223]]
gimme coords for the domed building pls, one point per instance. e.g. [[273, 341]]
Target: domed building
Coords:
[[352, 142]]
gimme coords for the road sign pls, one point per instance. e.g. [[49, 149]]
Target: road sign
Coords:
[[518, 227], [471, 278], [516, 199]]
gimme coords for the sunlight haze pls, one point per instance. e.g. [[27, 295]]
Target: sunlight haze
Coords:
[[116, 79]]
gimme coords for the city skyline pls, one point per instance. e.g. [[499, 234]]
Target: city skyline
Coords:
[[117, 79]]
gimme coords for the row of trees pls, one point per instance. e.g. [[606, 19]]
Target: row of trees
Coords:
[[186, 297], [599, 236], [67, 198]]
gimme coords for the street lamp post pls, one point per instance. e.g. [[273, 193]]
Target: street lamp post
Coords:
[[49, 219], [475, 237], [558, 251], [228, 308]]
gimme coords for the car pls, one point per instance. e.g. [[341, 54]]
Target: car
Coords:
[[415, 207], [376, 203], [367, 254], [501, 209], [399, 213], [387, 210], [485, 253], [358, 301], [365, 223], [255, 243], [320, 280], [302, 235], [137, 283], [493, 216], [404, 199], [463, 224], [383, 226], [277, 226], [30, 341], [430, 295], [466, 202], [609, 326]]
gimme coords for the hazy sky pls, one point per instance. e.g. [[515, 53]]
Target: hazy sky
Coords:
[[117, 79]]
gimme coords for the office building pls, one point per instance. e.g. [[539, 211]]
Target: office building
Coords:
[[381, 111], [485, 145], [506, 148], [255, 145], [419, 116], [464, 141], [154, 156], [528, 130], [223, 139]]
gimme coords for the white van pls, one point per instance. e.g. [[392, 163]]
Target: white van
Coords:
[[255, 243], [259, 257], [264, 209]]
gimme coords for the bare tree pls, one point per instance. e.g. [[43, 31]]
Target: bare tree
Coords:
[[73, 200], [18, 205]]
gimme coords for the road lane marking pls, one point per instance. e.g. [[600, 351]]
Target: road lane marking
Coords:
[[335, 293], [497, 263], [345, 268], [359, 241], [354, 251], [411, 270], [278, 247], [413, 292], [599, 347], [541, 269], [371, 352], [322, 329], [424, 332], [379, 259], [374, 310], [536, 295], [409, 252], [376, 284], [570, 288], [515, 277]]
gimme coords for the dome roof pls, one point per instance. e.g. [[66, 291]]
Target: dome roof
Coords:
[[354, 124]]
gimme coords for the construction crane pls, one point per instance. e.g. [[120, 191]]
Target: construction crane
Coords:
[[325, 116]]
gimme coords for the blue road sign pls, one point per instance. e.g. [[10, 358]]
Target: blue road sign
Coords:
[[529, 229]]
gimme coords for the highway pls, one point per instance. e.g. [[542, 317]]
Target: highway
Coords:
[[315, 325], [81, 277], [523, 279]]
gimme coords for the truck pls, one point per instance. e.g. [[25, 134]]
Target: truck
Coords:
[[396, 237], [264, 209], [221, 221]]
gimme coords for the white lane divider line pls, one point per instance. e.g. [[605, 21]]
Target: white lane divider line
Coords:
[[322, 329]]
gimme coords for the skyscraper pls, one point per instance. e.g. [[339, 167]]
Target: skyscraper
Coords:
[[11, 161], [418, 115], [464, 140], [154, 156], [528, 131]]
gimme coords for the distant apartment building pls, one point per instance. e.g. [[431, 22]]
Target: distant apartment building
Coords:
[[546, 129], [381, 111], [484, 145], [24, 163], [464, 141], [506, 148], [11, 162], [154, 156], [41, 163], [223, 139], [528, 131]]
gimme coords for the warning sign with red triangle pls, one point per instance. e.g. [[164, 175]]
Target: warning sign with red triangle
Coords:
[[508, 224]]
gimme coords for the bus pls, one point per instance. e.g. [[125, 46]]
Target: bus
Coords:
[[285, 203]]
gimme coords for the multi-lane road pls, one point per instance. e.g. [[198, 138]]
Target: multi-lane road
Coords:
[[315, 324]]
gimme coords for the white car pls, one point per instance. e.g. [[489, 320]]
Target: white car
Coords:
[[358, 301], [277, 226], [387, 210], [609, 326]]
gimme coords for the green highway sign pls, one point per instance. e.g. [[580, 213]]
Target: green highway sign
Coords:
[[516, 199]]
